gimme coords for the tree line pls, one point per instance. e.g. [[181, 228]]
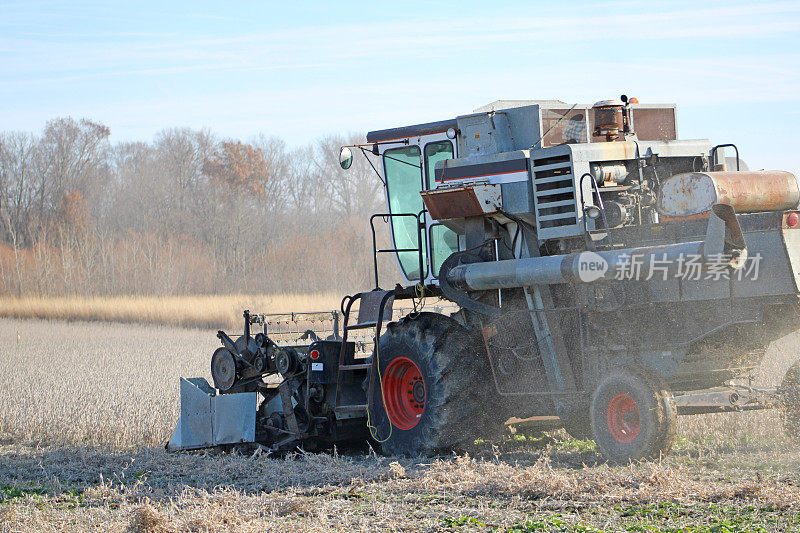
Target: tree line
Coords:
[[188, 213]]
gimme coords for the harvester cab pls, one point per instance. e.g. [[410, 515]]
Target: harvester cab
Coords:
[[490, 151], [600, 270]]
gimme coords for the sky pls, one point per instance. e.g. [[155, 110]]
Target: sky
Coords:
[[301, 69]]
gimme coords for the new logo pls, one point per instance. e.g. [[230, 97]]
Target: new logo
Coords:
[[591, 266]]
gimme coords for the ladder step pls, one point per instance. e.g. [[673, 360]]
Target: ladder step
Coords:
[[364, 325], [341, 408], [364, 366]]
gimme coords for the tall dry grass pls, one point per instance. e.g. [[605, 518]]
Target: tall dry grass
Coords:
[[207, 311]]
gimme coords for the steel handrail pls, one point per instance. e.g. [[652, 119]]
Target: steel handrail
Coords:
[[376, 251]]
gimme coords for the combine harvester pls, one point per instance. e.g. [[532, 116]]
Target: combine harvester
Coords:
[[601, 271]]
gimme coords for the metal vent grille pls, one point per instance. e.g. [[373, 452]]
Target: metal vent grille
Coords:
[[554, 195]]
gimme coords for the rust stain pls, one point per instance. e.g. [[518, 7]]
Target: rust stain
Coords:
[[685, 195], [489, 331], [698, 216], [459, 202]]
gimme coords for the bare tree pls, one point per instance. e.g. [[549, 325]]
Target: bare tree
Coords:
[[17, 183], [139, 193], [71, 155], [184, 213], [353, 192], [184, 151]]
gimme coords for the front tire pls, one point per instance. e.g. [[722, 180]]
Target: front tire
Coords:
[[433, 383], [633, 415]]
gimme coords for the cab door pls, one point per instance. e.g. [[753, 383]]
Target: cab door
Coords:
[[408, 170], [442, 241]]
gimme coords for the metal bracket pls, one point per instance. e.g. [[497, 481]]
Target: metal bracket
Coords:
[[544, 338], [288, 409]]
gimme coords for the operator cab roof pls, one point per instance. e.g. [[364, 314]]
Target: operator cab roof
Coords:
[[442, 125], [411, 131]]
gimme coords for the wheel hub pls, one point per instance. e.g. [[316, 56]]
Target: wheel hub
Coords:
[[403, 393], [418, 391], [622, 416], [223, 369]]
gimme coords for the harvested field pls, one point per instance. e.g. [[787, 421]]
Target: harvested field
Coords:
[[550, 489], [86, 407]]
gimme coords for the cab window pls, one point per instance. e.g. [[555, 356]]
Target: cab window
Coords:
[[444, 241], [435, 152], [563, 126], [403, 183]]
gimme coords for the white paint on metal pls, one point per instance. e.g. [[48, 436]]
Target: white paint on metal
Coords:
[[687, 194], [505, 177], [488, 196]]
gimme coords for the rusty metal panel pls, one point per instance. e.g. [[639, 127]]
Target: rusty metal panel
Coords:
[[694, 193], [459, 202], [462, 202]]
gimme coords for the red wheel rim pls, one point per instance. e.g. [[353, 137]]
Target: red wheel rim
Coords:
[[403, 393], [623, 418]]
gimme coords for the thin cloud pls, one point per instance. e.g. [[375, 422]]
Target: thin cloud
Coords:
[[386, 71]]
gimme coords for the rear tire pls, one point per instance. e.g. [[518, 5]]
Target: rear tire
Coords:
[[633, 415], [790, 402], [434, 382]]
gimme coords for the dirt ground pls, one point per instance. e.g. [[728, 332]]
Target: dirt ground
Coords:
[[85, 409]]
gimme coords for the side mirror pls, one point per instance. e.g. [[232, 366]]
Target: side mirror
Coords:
[[345, 158]]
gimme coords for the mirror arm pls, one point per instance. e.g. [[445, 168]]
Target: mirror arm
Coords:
[[363, 151], [376, 143], [373, 147]]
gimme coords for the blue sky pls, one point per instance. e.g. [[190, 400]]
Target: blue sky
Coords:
[[301, 69]]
